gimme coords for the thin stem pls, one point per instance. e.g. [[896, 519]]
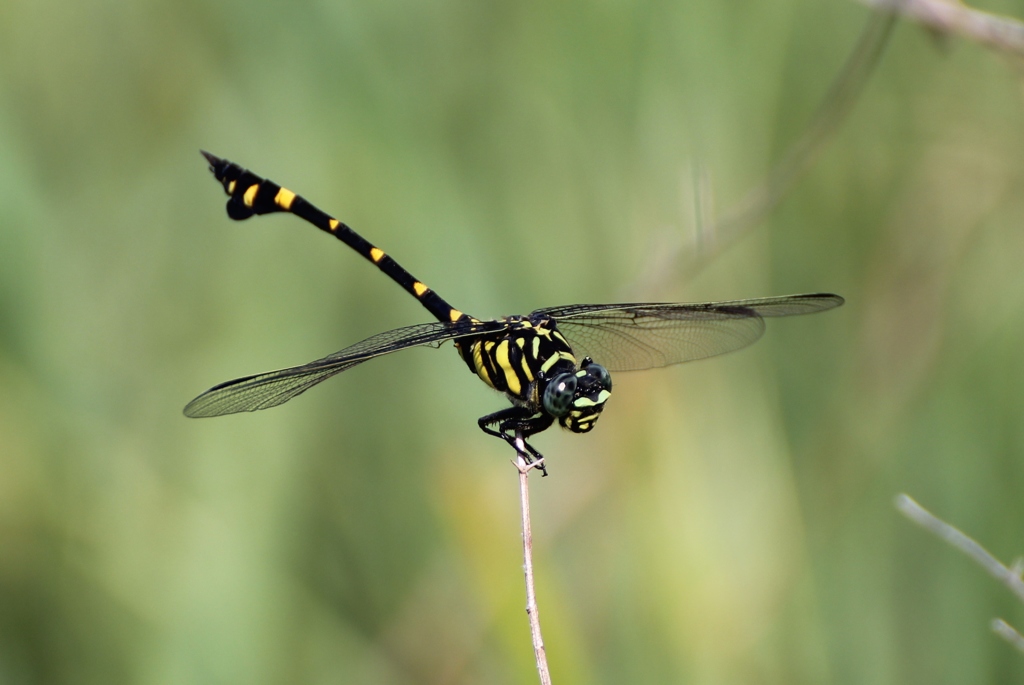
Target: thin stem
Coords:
[[933, 524], [1002, 33], [524, 466], [1008, 633], [716, 234], [1010, 577], [833, 111]]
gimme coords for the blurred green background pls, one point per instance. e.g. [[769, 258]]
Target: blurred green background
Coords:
[[729, 521]]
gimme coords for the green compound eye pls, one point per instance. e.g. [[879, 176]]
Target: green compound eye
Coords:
[[558, 395], [601, 374]]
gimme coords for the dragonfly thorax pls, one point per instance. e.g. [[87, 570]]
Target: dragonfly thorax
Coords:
[[534, 365], [518, 359]]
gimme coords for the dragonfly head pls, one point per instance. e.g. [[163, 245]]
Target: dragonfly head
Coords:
[[577, 398]]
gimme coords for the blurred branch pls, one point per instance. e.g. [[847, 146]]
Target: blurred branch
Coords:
[[524, 464], [924, 518], [714, 235], [1002, 33], [1010, 577], [1008, 633]]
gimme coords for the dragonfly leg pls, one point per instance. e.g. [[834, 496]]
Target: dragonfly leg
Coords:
[[518, 419]]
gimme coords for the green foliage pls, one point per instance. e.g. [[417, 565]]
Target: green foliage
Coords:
[[729, 521]]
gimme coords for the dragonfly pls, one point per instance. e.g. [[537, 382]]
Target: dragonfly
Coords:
[[553, 365]]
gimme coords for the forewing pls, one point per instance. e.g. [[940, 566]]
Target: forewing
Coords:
[[270, 389], [630, 337]]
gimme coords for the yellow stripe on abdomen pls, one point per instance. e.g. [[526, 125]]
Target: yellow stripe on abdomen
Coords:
[[284, 199], [249, 196]]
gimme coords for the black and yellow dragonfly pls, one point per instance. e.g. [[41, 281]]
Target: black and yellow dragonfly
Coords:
[[546, 362]]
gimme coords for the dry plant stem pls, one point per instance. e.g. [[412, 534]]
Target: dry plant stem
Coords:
[[714, 234], [924, 518], [955, 18], [1008, 633], [1008, 577], [531, 596], [842, 94]]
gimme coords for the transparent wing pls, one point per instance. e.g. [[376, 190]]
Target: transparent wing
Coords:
[[630, 337], [270, 389]]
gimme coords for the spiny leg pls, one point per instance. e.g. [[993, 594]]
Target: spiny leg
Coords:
[[518, 419]]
